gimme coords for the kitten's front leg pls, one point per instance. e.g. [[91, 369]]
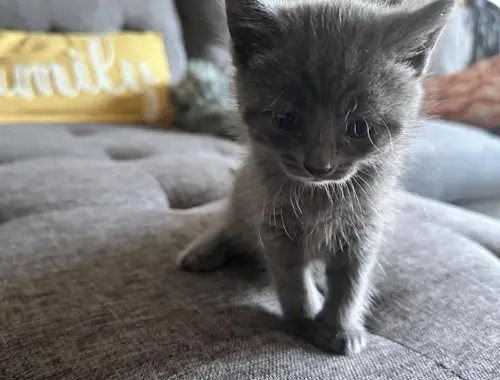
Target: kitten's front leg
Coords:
[[292, 280], [339, 327]]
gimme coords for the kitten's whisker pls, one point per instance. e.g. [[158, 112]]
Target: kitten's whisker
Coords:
[[356, 197], [372, 142], [369, 187], [349, 112], [273, 213], [273, 103], [368, 198], [341, 188], [326, 188], [283, 224], [291, 196], [299, 199], [262, 219], [391, 142], [370, 175]]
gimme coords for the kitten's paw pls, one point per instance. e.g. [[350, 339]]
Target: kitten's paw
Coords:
[[316, 301], [339, 340], [350, 341], [196, 259]]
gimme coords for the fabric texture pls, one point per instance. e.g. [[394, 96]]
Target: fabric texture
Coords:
[[83, 77], [92, 218]]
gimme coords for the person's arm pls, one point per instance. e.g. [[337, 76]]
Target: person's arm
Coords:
[[205, 30], [471, 96]]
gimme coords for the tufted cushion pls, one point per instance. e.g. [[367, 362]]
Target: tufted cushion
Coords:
[[84, 165], [91, 221], [100, 16]]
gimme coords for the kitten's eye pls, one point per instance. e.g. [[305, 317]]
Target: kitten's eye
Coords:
[[286, 121], [357, 129]]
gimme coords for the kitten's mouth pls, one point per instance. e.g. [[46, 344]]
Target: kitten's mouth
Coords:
[[336, 176]]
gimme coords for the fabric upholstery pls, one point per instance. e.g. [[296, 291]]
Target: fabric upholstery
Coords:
[[91, 221]]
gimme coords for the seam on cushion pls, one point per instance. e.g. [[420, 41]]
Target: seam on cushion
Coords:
[[6, 222], [425, 356], [59, 209], [464, 201], [151, 174], [467, 237], [460, 234], [463, 234], [23, 159], [173, 206]]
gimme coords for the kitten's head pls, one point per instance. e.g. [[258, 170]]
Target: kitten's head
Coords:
[[326, 87]]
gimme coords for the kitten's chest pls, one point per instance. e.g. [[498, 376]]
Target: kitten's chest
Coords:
[[316, 217]]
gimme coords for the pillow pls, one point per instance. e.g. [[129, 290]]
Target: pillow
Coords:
[[83, 78], [471, 96]]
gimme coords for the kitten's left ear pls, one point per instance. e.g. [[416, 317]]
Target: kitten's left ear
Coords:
[[413, 35], [252, 27]]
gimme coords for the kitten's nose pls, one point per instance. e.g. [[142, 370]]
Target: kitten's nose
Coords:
[[318, 171]]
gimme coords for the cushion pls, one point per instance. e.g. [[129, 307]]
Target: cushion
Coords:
[[453, 162], [93, 217], [97, 16], [81, 77]]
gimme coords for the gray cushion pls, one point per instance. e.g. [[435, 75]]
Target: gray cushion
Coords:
[[454, 163], [91, 221]]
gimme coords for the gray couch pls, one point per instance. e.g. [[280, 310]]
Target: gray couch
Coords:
[[93, 216]]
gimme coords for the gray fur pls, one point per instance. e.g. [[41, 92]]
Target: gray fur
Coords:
[[329, 62]]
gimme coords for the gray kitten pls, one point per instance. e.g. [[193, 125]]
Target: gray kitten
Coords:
[[328, 91]]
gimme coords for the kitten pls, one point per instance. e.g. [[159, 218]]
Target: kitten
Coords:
[[328, 91]]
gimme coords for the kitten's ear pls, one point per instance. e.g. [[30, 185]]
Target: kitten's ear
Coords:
[[413, 35], [252, 29]]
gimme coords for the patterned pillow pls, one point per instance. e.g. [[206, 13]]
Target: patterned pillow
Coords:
[[82, 77]]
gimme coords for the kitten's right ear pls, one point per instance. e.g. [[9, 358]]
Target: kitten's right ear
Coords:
[[252, 29]]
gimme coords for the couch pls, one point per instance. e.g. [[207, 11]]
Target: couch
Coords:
[[92, 218]]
